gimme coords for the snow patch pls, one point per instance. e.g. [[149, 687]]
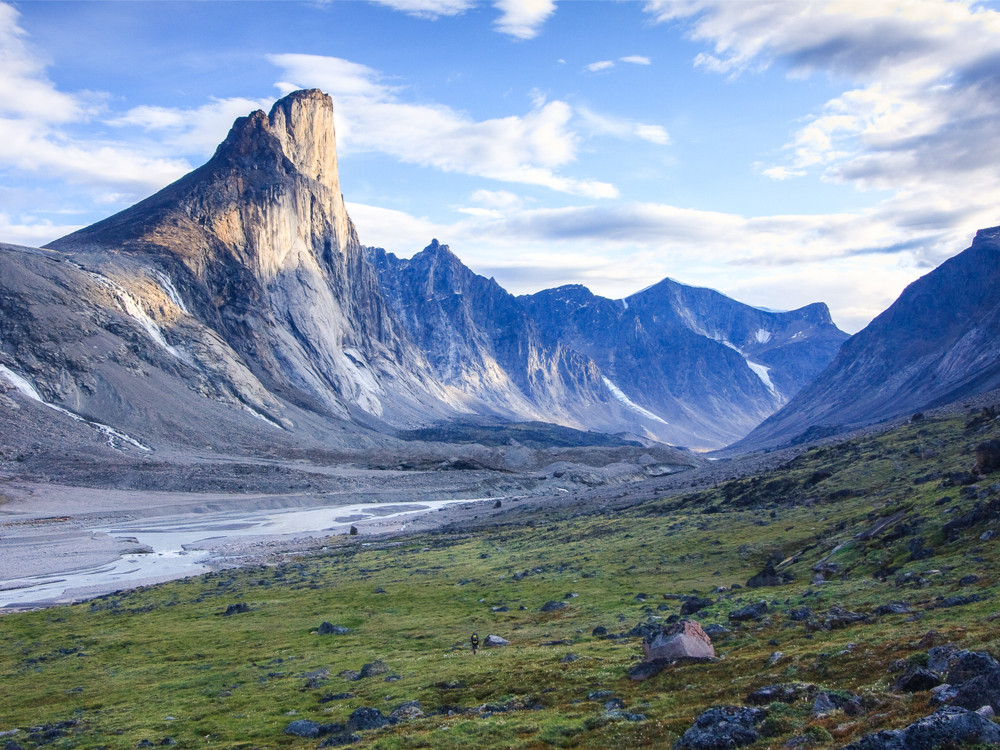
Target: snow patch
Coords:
[[171, 290], [762, 336], [262, 417], [27, 388], [619, 395], [131, 307], [762, 372]]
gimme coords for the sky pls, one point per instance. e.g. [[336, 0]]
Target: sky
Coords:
[[783, 152]]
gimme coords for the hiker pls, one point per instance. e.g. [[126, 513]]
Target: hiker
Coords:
[[475, 642]]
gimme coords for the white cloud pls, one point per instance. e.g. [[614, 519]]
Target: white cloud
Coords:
[[191, 131], [917, 116], [371, 117], [497, 199], [636, 60], [522, 19], [621, 127], [428, 8], [33, 232], [600, 65], [37, 121], [25, 90]]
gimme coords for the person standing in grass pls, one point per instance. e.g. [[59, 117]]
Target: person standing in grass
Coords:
[[475, 642]]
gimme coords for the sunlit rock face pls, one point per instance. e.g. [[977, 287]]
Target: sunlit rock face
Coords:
[[258, 245]]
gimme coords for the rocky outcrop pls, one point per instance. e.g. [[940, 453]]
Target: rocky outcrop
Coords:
[[947, 728]]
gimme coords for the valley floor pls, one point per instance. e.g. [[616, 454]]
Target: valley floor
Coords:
[[881, 547]]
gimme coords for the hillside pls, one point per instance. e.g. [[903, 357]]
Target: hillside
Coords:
[[882, 548], [936, 343]]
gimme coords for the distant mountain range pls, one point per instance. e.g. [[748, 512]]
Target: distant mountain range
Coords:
[[238, 308]]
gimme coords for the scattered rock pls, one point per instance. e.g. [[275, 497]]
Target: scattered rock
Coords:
[[599, 631], [723, 727], [840, 700], [787, 692], [553, 606], [328, 628], [568, 659], [236, 609], [303, 728], [406, 712], [373, 669], [349, 674], [495, 641], [695, 604], [341, 739], [838, 617], [768, 577], [366, 718], [717, 631], [917, 679], [987, 457], [749, 612], [800, 614], [946, 728]]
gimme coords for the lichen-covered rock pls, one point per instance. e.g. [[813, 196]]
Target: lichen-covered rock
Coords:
[[949, 727], [723, 727], [495, 641], [754, 611]]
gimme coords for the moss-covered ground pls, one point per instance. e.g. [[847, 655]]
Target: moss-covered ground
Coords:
[[164, 662]]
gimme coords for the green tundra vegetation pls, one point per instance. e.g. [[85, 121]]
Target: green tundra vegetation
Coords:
[[885, 518]]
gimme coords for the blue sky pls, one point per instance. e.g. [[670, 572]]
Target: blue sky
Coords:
[[782, 152]]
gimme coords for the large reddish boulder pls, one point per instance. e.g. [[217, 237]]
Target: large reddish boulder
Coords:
[[682, 640]]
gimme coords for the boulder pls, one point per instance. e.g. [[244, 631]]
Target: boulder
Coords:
[[948, 727], [495, 641], [681, 640], [916, 679], [695, 604], [303, 728], [768, 577], [975, 681], [987, 457], [328, 628], [366, 718], [749, 612], [723, 727], [236, 609], [787, 692], [374, 669], [553, 606], [406, 712], [842, 700]]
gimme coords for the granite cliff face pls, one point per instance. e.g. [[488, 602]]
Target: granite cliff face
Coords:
[[938, 343], [259, 250]]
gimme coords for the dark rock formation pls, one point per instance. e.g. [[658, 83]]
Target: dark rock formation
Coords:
[[723, 727], [945, 729]]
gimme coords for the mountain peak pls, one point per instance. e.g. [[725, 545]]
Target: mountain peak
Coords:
[[299, 127]]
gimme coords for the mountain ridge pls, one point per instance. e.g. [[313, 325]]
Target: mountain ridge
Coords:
[[937, 343]]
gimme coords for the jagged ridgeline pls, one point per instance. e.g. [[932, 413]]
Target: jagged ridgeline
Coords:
[[237, 307]]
